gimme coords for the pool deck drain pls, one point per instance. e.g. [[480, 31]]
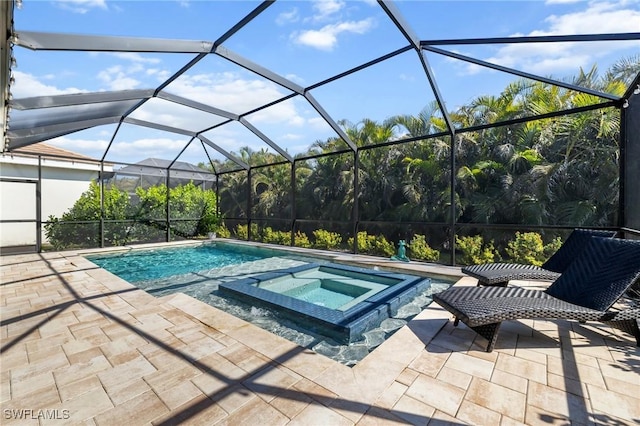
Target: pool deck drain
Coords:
[[84, 345]]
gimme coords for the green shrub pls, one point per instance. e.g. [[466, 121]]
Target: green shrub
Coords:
[[372, 244], [194, 206], [185, 202], [420, 249], [475, 251], [270, 236], [552, 247], [365, 242], [382, 246], [222, 231], [276, 237], [242, 231], [87, 208], [302, 240], [326, 240], [526, 248]]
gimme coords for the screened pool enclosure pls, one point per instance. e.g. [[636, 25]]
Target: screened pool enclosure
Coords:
[[242, 126]]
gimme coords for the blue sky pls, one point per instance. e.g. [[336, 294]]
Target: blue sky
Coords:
[[306, 42]]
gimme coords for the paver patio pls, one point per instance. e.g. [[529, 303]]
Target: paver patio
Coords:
[[85, 347]]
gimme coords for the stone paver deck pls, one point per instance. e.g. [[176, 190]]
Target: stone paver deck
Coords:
[[81, 346]]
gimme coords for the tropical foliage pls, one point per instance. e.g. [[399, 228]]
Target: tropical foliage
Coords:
[[410, 174], [420, 249], [560, 170], [475, 250], [192, 212], [372, 244], [528, 248]]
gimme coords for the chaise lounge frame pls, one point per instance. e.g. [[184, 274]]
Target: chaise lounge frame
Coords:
[[586, 291]]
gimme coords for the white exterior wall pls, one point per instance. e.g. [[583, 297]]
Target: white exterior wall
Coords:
[[63, 182]]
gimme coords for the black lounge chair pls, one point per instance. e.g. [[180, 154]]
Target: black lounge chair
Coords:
[[586, 291], [499, 274]]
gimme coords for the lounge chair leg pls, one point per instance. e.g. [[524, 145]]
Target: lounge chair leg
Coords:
[[631, 326], [456, 322], [489, 332]]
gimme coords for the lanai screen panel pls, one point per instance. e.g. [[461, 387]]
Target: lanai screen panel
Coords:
[[558, 171], [175, 115], [220, 83], [244, 145], [396, 87], [296, 127], [134, 143], [309, 42]]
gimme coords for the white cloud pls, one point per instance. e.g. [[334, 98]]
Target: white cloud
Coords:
[[288, 17], [326, 8], [319, 123], [228, 91], [292, 136], [283, 113], [560, 58], [139, 149], [91, 147], [28, 85], [237, 92], [81, 6], [295, 78], [232, 138], [327, 37], [117, 78], [599, 17]]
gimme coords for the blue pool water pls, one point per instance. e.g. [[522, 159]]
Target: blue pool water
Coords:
[[323, 297], [143, 265]]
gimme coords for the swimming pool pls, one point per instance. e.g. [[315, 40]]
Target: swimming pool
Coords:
[[200, 270], [339, 301], [150, 264]]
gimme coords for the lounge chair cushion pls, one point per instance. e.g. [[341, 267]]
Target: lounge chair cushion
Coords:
[[602, 260], [572, 248]]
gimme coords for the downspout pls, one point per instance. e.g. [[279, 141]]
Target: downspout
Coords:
[[39, 207]]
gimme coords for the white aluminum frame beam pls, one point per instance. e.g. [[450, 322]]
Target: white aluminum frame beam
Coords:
[[80, 99], [36, 40]]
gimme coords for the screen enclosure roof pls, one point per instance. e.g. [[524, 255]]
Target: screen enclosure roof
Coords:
[[218, 88]]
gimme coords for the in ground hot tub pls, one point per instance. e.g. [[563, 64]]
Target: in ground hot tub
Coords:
[[338, 301]]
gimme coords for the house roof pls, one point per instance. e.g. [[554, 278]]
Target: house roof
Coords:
[[51, 151]]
